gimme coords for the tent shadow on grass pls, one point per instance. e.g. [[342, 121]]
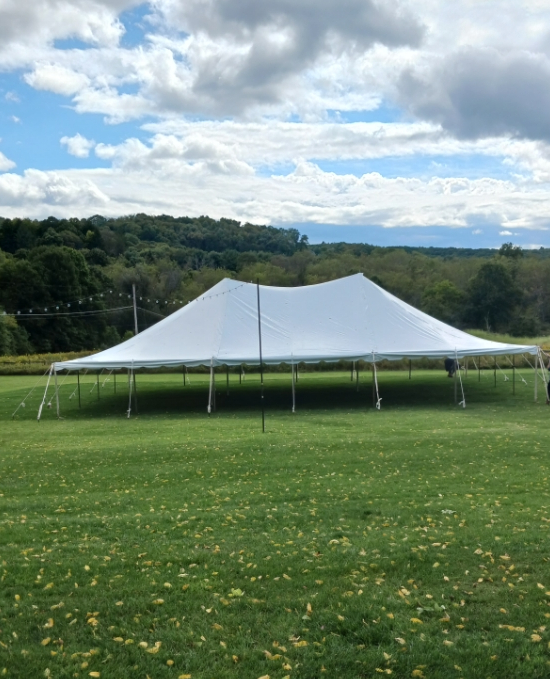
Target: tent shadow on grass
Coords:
[[166, 395]]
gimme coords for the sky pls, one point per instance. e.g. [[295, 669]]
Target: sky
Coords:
[[402, 123]]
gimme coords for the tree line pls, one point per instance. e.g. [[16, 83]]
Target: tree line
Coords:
[[92, 263]]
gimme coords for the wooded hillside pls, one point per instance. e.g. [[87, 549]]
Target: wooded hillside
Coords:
[[73, 270]]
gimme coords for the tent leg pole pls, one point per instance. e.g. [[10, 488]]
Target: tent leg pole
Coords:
[[209, 406], [135, 393], [536, 373], [129, 411], [241, 375], [56, 391], [78, 382], [114, 380], [97, 382], [456, 385], [514, 374], [214, 390], [495, 371], [479, 370], [357, 377], [410, 368], [373, 387], [183, 371], [297, 376], [352, 371], [293, 391]]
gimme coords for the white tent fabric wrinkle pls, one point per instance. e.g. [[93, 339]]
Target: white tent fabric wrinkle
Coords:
[[350, 318]]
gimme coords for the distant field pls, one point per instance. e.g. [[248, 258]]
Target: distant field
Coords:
[[343, 542]]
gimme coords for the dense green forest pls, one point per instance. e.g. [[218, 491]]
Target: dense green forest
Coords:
[[65, 285]]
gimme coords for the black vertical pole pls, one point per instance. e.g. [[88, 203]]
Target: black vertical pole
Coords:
[[135, 394], [261, 358], [495, 369], [514, 374], [78, 380], [98, 385], [410, 368]]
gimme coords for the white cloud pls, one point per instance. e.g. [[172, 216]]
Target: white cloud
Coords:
[[57, 79], [13, 97], [37, 191], [5, 163], [78, 145], [477, 232], [505, 233]]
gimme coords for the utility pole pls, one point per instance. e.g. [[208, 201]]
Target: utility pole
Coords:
[[136, 331]]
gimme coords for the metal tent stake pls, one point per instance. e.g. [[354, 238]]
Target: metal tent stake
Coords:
[[261, 358]]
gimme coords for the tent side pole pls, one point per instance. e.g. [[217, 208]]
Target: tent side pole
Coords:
[[209, 406], [241, 375], [114, 380], [293, 391], [536, 374], [135, 392], [479, 370], [513, 374], [373, 386], [357, 377], [457, 368], [97, 382], [495, 371], [78, 383], [352, 371], [260, 347], [56, 391]]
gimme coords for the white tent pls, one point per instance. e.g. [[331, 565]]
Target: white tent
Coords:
[[347, 319]]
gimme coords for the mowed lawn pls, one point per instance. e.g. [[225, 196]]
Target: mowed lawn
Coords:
[[343, 542]]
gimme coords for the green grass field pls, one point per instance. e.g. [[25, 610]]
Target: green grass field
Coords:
[[343, 542]]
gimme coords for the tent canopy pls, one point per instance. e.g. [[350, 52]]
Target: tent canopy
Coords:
[[351, 319]]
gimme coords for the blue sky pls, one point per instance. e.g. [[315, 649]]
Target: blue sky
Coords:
[[411, 125]]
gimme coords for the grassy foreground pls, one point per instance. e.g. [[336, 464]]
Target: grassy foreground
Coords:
[[344, 542]]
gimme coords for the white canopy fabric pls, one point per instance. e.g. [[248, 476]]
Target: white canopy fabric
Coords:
[[351, 318]]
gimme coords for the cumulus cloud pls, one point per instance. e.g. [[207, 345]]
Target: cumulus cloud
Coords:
[[5, 163], [78, 145], [478, 93], [57, 79], [35, 189]]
